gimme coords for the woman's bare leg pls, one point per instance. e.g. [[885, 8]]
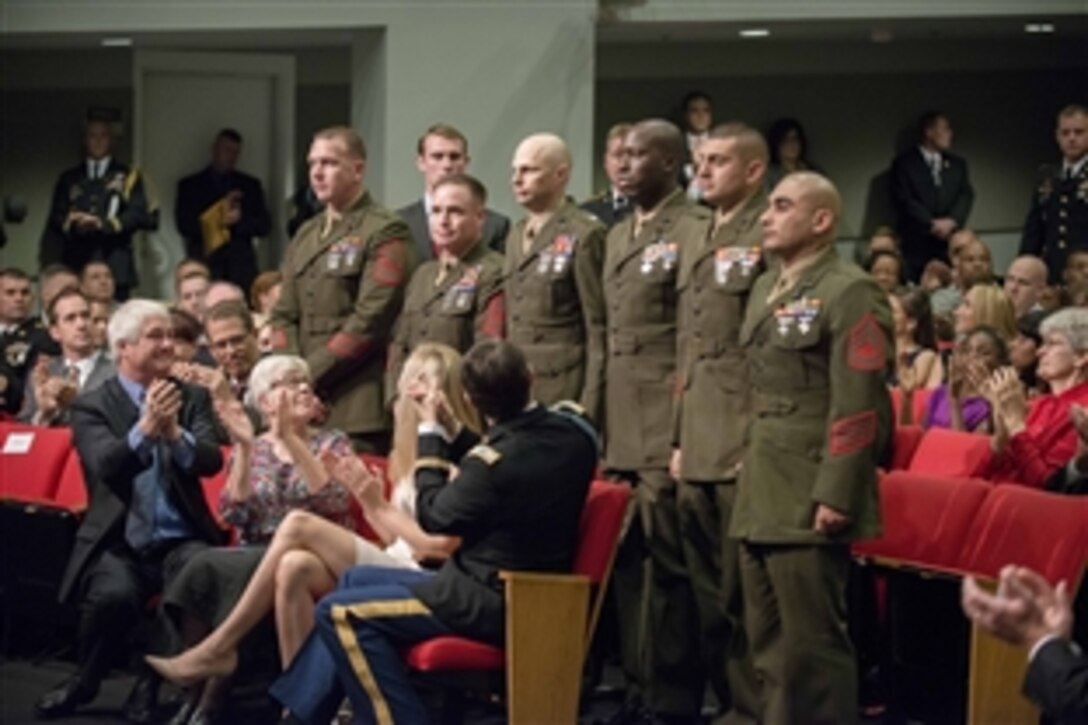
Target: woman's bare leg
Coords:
[[300, 580], [216, 655]]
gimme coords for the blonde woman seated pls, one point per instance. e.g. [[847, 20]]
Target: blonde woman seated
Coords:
[[308, 553]]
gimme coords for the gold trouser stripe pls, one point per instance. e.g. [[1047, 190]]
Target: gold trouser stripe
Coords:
[[350, 643]]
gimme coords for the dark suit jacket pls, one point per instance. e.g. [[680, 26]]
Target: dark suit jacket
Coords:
[[602, 207], [1057, 679], [102, 371], [516, 505], [101, 420], [198, 192], [918, 201], [496, 227]]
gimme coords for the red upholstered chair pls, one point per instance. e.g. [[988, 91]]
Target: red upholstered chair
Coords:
[[544, 655], [904, 442], [32, 475], [71, 494], [945, 452], [362, 526], [213, 486], [926, 520], [919, 400]]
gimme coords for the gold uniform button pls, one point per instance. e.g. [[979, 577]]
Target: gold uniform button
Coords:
[[1061, 229], [1062, 214], [1065, 199], [1061, 244]]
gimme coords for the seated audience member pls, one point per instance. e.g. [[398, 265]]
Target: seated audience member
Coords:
[[1024, 283], [270, 476], [307, 553], [1073, 478], [220, 291], [18, 328], [1035, 438], [1075, 295], [188, 266], [144, 441], [96, 281], [959, 403], [515, 501], [915, 339], [187, 334], [265, 340], [1076, 267], [190, 291], [81, 366], [971, 265], [883, 239], [232, 342], [788, 146], [263, 295], [100, 320], [986, 304], [936, 275], [1024, 351], [886, 269], [1026, 611]]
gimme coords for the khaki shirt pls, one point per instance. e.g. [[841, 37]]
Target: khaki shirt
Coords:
[[342, 291], [822, 421], [713, 400], [640, 278], [555, 307]]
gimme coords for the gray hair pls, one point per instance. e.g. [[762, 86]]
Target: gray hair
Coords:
[[128, 320], [1072, 324], [271, 370]]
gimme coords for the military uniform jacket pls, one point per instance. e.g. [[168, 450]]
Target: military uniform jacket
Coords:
[[818, 355], [341, 295], [119, 199], [1057, 222], [640, 286], [712, 392], [467, 306], [20, 348], [516, 504], [555, 307]]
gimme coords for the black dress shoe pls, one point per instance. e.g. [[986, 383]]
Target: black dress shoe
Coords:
[[63, 699], [140, 705]]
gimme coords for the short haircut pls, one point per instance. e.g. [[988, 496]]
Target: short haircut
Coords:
[[271, 370], [442, 130], [94, 263], [750, 142], [926, 121], [129, 319], [189, 265], [497, 379], [54, 270], [14, 273], [230, 134], [695, 96], [231, 310], [353, 142], [475, 187], [885, 254], [1072, 324], [51, 311], [1073, 109], [618, 130], [187, 328], [264, 282]]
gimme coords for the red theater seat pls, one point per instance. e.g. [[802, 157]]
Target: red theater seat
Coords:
[[544, 655], [943, 452], [71, 494], [33, 474], [919, 400], [904, 442]]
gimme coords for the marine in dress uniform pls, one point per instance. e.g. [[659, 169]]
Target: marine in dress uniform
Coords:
[[456, 299], [344, 277], [818, 336], [1057, 223], [515, 501], [659, 646], [713, 404], [553, 298], [97, 207]]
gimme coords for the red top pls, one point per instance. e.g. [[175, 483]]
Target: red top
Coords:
[[1047, 442]]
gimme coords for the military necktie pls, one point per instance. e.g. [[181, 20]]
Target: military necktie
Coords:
[[444, 268]]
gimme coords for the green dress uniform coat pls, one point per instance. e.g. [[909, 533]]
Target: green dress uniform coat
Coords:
[[462, 309], [555, 306], [341, 295]]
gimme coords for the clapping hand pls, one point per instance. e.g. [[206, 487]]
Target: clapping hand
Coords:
[[1023, 611], [211, 379], [363, 482], [280, 423], [233, 416], [1007, 395], [161, 407]]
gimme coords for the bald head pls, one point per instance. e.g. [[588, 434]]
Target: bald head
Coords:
[[541, 170], [802, 216], [1024, 282], [817, 192], [661, 135]]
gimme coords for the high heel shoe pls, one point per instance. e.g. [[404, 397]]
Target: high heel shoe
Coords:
[[183, 671]]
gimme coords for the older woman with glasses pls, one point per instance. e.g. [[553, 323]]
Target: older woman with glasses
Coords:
[[270, 476], [308, 553]]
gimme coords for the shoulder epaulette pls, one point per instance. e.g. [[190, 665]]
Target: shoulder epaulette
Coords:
[[485, 453], [577, 414]]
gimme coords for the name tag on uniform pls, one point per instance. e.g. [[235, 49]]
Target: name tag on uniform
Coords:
[[660, 253], [727, 258], [801, 314]]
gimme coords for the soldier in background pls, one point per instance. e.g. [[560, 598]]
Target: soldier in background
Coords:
[[554, 303], [97, 207], [344, 276], [456, 299], [1057, 223], [818, 334], [643, 255], [611, 206], [713, 403]]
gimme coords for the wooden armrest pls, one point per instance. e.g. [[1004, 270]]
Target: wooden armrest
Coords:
[[516, 578]]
